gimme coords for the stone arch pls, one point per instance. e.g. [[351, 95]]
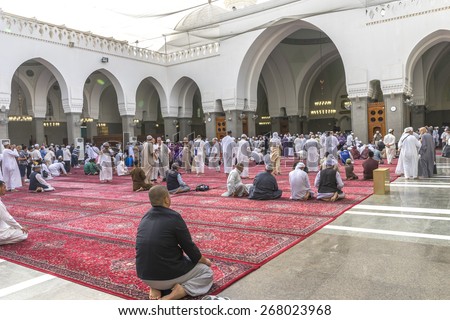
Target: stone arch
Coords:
[[256, 57], [150, 96], [182, 96], [419, 49], [309, 74], [38, 95], [279, 80]]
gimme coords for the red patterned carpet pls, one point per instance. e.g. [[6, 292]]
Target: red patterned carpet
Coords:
[[85, 230]]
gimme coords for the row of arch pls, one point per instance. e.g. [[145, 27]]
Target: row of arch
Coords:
[[264, 67]]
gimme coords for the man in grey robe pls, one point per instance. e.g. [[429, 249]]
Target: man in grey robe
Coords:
[[265, 186], [161, 152], [426, 153]]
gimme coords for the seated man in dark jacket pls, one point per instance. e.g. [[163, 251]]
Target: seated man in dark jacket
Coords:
[[174, 182], [265, 186], [329, 183], [37, 182], [369, 165], [166, 256]]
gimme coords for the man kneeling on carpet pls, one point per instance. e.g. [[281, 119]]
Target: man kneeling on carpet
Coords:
[[37, 182], [166, 256], [10, 230], [235, 187]]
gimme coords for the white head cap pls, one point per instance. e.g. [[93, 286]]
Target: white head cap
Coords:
[[300, 165]]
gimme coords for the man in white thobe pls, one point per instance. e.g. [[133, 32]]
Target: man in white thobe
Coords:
[[199, 155], [299, 182], [331, 144], [389, 142], [235, 187], [10, 168], [214, 155], [91, 152], [243, 154], [10, 230], [312, 149], [148, 160], [408, 161], [57, 168], [350, 140], [227, 152], [299, 142]]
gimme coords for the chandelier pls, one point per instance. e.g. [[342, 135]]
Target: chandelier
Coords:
[[49, 123], [86, 120], [20, 117]]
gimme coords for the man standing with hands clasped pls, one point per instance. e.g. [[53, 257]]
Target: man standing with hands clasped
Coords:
[[166, 256]]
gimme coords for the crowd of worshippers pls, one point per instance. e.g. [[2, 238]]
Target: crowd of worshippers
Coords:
[[156, 159]]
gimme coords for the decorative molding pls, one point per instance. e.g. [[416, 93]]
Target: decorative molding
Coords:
[[72, 106], [407, 16], [14, 25]]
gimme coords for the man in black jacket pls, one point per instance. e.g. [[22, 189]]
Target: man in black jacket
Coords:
[[166, 256], [265, 186]]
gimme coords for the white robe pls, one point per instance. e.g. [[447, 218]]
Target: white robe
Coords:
[[299, 182], [243, 154], [10, 229], [199, 156], [312, 146], [91, 153], [227, 154], [408, 161], [56, 169], [235, 186], [104, 160], [389, 142], [11, 173]]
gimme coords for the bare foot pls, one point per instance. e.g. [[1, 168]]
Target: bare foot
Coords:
[[334, 197], [154, 294], [177, 293]]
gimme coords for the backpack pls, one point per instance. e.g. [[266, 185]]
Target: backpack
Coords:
[[202, 187]]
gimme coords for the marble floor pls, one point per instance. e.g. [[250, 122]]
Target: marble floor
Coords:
[[393, 246]]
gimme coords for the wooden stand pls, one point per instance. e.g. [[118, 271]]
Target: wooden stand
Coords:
[[381, 181]]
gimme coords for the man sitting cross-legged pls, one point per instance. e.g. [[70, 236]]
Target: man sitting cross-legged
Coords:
[[175, 183], [10, 230], [265, 186], [37, 182], [329, 183], [235, 187], [299, 182], [166, 256]]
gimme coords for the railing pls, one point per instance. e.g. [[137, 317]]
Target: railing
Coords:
[[43, 31]]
